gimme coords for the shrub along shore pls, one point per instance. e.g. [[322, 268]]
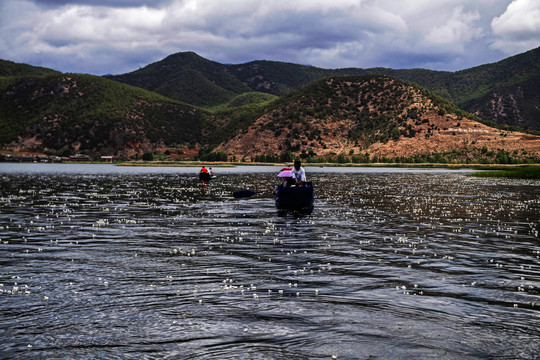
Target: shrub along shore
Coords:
[[513, 172]]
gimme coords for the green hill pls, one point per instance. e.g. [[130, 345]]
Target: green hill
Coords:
[[74, 112], [251, 98], [471, 84], [468, 88], [279, 78], [187, 77], [512, 105]]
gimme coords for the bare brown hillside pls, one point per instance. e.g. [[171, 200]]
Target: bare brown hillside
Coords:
[[375, 114]]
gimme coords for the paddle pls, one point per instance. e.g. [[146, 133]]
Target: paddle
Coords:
[[243, 193]]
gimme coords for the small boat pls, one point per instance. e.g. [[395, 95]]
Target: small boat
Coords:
[[295, 197], [204, 176]]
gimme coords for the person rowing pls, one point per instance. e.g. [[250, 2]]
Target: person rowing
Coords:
[[204, 175]]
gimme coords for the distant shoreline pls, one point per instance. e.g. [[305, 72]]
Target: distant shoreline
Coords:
[[309, 165], [516, 171], [313, 165]]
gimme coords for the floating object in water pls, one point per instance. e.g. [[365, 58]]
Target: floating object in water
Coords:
[[243, 193]]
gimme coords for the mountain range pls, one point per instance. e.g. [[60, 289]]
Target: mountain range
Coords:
[[187, 104], [506, 92]]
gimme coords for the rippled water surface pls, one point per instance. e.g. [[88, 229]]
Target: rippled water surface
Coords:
[[112, 262]]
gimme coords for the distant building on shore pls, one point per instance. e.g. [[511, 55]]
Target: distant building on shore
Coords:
[[79, 158], [107, 158]]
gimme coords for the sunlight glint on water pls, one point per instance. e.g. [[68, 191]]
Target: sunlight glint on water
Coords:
[[143, 263]]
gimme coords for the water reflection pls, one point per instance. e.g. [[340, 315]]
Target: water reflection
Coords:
[[388, 264]]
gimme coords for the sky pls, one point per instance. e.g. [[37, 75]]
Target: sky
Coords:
[[118, 36]]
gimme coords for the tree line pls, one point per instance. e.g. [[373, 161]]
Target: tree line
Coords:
[[467, 156]]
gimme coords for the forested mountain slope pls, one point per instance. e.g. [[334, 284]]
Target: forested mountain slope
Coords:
[[195, 80], [84, 113]]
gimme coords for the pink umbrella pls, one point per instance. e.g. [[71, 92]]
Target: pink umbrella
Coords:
[[285, 172]]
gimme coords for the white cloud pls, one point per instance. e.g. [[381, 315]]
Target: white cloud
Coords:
[[518, 28], [74, 35], [457, 31], [98, 25]]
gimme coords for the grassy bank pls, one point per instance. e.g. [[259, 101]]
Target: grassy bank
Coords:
[[519, 172], [175, 163]]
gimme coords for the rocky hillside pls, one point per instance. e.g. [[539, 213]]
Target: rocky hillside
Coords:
[[377, 115], [513, 105]]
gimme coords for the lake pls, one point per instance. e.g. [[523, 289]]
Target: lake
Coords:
[[110, 262]]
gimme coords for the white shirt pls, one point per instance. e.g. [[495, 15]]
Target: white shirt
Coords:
[[299, 175]]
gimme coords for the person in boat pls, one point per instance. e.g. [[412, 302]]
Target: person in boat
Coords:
[[211, 171], [298, 174], [204, 176]]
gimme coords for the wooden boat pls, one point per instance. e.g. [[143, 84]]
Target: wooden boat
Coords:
[[295, 197]]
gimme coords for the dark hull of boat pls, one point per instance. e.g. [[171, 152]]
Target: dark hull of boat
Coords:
[[294, 197], [206, 176]]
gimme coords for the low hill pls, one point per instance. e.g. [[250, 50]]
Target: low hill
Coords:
[[82, 113], [250, 98], [375, 115]]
